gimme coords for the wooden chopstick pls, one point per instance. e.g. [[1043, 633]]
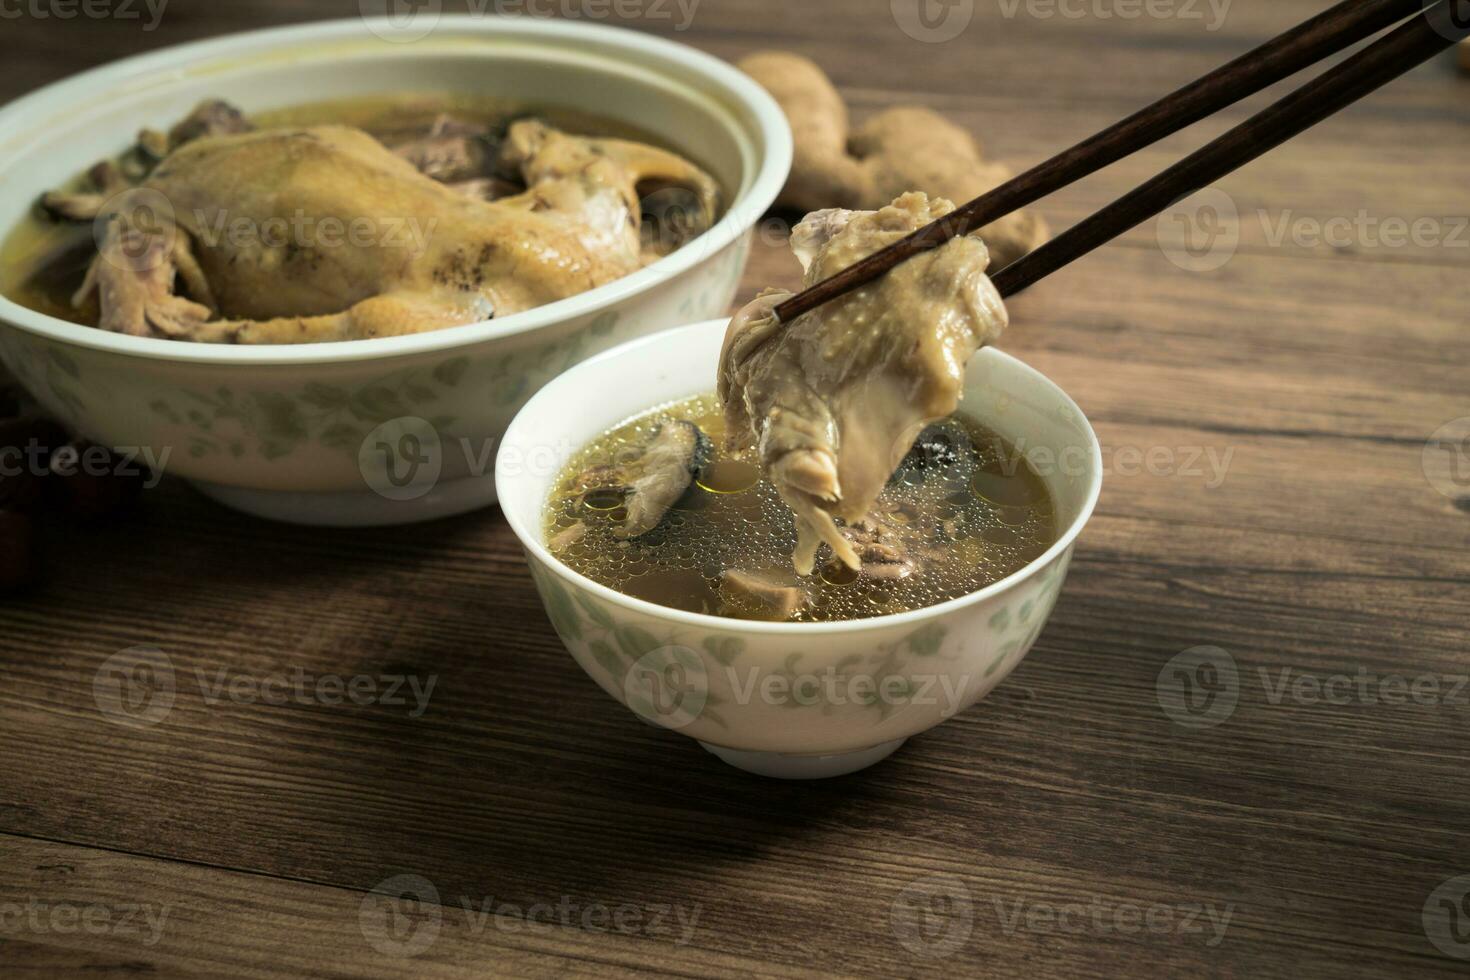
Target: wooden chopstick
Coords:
[[1365, 72], [1305, 45]]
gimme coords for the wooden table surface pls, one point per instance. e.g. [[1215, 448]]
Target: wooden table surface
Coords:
[[1267, 494]]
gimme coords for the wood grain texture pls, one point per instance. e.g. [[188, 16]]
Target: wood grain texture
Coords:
[[1316, 373]]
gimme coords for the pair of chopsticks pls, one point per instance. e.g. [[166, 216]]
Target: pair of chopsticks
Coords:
[[1436, 26]]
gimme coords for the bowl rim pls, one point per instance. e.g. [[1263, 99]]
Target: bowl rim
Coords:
[[769, 131], [531, 541]]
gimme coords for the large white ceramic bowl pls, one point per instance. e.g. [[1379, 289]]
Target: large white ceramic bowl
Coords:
[[334, 433], [794, 700]]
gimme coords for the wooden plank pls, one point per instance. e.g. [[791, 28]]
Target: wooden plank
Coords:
[[507, 801], [67, 910], [1022, 57], [1025, 834]]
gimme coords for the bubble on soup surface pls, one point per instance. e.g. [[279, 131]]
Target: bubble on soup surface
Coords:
[[754, 529]]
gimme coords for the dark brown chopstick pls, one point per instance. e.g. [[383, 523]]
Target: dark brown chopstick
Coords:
[[1365, 72], [1305, 45]]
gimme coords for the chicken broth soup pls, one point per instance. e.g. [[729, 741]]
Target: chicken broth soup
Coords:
[[658, 509]]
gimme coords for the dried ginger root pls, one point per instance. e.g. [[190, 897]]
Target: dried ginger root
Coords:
[[900, 150]]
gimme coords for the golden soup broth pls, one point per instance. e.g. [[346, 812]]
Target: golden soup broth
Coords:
[[975, 520], [43, 262]]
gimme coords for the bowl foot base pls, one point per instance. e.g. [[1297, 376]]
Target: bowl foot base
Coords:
[[362, 508], [780, 766]]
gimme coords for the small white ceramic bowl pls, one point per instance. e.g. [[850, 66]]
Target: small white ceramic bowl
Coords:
[[308, 433], [792, 700]]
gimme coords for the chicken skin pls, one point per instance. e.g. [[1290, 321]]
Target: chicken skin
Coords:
[[833, 401], [321, 233]]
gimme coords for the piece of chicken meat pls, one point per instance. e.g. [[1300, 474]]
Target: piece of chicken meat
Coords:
[[656, 477], [833, 401], [321, 233]]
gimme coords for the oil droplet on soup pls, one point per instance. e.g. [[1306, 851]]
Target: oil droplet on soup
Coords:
[[729, 476], [963, 511]]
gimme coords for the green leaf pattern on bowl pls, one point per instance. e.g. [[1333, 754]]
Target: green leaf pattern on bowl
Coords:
[[273, 424], [50, 373], [235, 422], [1020, 625], [894, 666], [585, 622]]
